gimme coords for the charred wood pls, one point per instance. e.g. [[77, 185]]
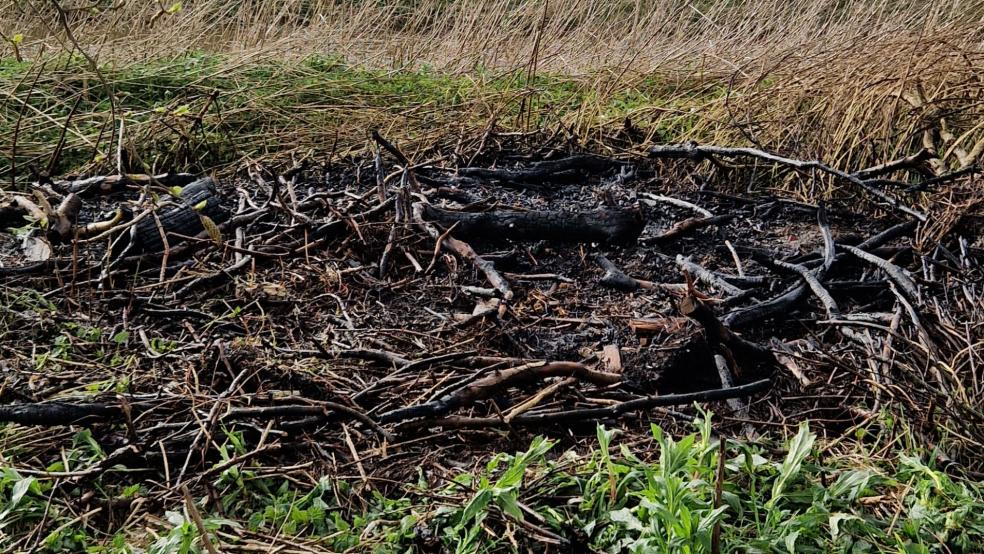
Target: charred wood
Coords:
[[549, 171], [696, 152], [197, 200], [607, 225]]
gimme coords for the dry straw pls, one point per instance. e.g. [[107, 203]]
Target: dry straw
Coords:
[[852, 82]]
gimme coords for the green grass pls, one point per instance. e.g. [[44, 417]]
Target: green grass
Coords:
[[792, 497], [204, 111]]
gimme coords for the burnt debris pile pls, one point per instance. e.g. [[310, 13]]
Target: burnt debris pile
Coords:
[[366, 310]]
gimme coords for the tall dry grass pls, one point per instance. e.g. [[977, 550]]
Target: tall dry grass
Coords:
[[849, 81], [573, 36]]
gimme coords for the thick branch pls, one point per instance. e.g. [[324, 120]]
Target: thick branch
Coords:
[[695, 152], [615, 226], [48, 414], [546, 171]]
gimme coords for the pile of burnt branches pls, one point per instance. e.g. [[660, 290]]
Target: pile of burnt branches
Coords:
[[364, 308]]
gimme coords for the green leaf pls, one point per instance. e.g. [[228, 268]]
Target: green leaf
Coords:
[[175, 191], [201, 205], [835, 521], [790, 542], [799, 449], [476, 505], [17, 38], [626, 518], [20, 489], [175, 8], [850, 484], [17, 494], [510, 505]]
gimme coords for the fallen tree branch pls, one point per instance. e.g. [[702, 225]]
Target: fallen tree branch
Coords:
[[322, 409], [614, 278], [906, 162], [58, 413], [608, 225], [894, 272], [696, 152], [465, 251], [563, 169], [50, 414], [653, 199], [106, 184], [830, 306], [707, 276], [743, 350], [784, 301]]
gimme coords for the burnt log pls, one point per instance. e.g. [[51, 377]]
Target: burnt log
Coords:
[[549, 171], [196, 201], [48, 414], [608, 225]]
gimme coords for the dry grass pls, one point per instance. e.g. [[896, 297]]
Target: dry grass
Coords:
[[852, 82]]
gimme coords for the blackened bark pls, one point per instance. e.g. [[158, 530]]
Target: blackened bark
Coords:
[[562, 170], [609, 225], [183, 219]]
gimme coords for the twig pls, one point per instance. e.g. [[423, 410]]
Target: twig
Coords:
[[650, 198], [690, 225], [607, 412], [485, 387], [196, 516]]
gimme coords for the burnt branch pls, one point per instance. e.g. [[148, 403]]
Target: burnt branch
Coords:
[[607, 225], [696, 152]]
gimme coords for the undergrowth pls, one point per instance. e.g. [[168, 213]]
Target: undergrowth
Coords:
[[202, 111], [669, 495], [213, 85]]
